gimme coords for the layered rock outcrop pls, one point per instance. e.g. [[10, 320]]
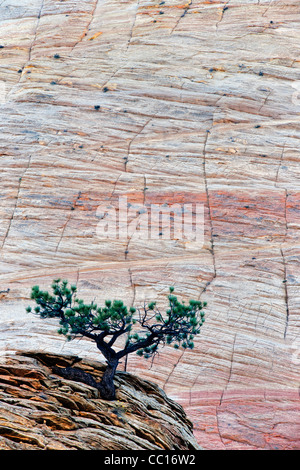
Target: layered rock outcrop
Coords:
[[41, 410], [162, 102]]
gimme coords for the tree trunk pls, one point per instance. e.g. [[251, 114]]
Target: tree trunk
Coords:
[[106, 386]]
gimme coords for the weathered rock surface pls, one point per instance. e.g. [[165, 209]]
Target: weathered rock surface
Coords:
[[41, 410], [162, 102]]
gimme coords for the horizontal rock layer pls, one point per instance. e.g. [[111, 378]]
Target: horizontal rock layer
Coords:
[[41, 410], [162, 102]]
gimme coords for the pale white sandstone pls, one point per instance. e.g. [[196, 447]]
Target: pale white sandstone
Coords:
[[197, 99]]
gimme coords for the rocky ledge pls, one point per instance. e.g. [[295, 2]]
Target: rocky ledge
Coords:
[[42, 410]]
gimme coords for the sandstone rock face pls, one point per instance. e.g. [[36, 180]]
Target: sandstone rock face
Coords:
[[40, 410], [162, 102]]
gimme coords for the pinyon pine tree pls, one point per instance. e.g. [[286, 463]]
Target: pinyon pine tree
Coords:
[[144, 329]]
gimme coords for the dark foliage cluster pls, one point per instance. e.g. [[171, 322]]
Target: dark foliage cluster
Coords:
[[145, 328], [178, 326]]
